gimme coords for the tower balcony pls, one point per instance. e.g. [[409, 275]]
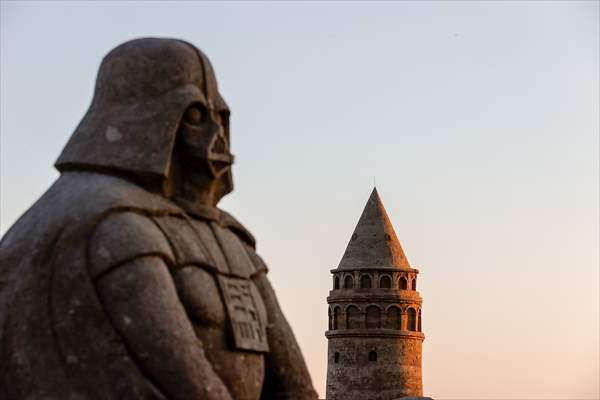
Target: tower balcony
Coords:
[[373, 333], [370, 295]]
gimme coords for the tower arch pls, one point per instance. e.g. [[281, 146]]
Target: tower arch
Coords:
[[385, 281], [353, 317], [411, 315], [373, 317], [403, 283], [393, 318], [365, 281], [348, 282], [337, 317]]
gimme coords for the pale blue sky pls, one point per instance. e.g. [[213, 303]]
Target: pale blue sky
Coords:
[[479, 121]]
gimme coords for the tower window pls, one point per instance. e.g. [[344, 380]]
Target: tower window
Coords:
[[336, 357], [348, 282], [330, 319], [403, 283], [373, 317], [365, 281], [412, 319], [385, 282], [336, 318], [336, 283], [372, 355], [414, 283], [419, 323]]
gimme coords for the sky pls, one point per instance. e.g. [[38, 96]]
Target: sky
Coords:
[[478, 121]]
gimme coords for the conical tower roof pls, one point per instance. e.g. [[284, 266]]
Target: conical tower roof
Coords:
[[374, 243]]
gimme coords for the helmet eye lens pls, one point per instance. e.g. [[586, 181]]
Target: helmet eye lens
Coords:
[[193, 115]]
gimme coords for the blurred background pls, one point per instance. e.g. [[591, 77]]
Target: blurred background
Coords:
[[478, 121]]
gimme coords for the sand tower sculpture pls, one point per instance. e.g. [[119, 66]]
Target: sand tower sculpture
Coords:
[[374, 336]]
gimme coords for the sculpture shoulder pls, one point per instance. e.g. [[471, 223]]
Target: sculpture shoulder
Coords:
[[124, 236], [70, 206], [228, 221], [257, 260]]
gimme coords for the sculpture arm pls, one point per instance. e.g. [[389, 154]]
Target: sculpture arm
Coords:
[[142, 303], [286, 376], [129, 258]]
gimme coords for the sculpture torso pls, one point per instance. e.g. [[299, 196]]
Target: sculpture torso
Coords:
[[212, 275], [212, 270]]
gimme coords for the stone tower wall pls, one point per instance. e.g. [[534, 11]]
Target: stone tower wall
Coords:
[[354, 374], [374, 350]]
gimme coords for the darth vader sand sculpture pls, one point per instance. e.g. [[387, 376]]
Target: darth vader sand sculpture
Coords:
[[124, 281]]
